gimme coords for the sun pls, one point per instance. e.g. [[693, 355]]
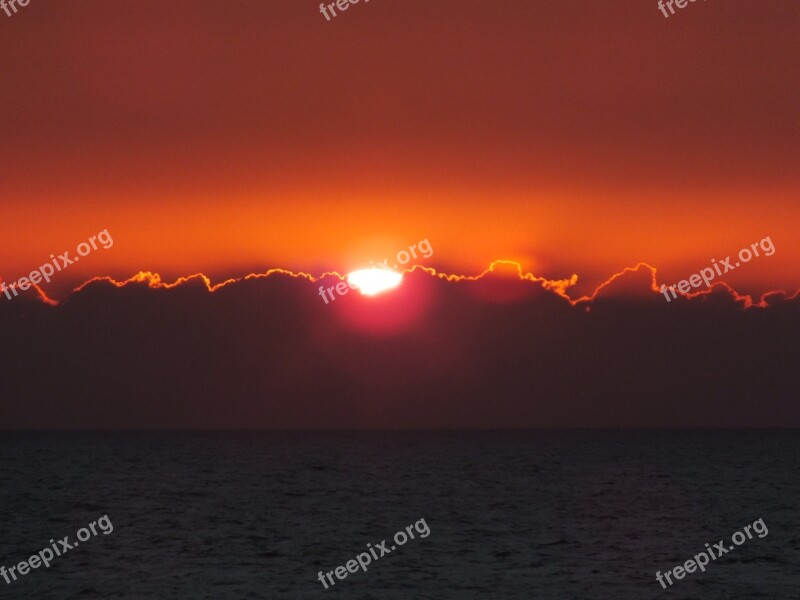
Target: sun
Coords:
[[374, 281]]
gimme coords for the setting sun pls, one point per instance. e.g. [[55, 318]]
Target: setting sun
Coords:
[[374, 281]]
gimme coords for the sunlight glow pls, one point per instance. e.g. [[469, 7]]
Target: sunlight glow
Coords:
[[374, 281]]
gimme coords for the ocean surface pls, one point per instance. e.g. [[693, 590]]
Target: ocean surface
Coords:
[[511, 514]]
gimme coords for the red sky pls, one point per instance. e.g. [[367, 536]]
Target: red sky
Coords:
[[576, 137]]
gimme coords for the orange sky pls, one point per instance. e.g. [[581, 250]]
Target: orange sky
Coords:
[[576, 137]]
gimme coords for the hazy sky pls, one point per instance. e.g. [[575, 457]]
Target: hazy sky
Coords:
[[574, 136]]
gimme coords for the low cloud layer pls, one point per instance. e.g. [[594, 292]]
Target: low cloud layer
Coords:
[[497, 351]]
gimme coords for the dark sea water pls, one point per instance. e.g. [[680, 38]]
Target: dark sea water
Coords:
[[524, 514]]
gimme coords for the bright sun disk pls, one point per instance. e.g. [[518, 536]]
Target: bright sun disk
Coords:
[[374, 281]]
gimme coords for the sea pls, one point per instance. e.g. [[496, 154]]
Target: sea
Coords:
[[519, 514]]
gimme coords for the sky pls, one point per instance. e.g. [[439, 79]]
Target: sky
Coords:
[[563, 160], [576, 138]]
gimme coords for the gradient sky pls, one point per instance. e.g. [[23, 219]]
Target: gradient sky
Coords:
[[586, 138], [575, 137]]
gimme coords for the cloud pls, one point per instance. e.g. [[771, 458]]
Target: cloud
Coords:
[[499, 349]]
